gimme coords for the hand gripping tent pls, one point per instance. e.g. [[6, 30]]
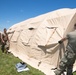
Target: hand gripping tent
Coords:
[[35, 41]]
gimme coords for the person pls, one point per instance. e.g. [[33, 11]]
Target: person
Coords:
[[0, 37], [66, 63], [5, 41]]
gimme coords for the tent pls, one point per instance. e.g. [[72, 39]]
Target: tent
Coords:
[[35, 40]]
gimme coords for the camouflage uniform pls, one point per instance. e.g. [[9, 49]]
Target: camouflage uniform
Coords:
[[5, 44], [69, 56], [0, 40]]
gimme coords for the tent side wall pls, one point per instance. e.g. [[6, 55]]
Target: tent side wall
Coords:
[[71, 25], [36, 47]]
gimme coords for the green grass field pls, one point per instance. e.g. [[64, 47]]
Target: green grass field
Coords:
[[7, 66]]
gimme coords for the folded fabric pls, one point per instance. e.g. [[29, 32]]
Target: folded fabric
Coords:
[[25, 69], [21, 66]]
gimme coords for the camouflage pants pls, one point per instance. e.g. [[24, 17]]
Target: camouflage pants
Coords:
[[66, 63], [5, 46]]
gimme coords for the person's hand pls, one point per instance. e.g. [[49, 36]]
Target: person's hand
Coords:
[[60, 42]]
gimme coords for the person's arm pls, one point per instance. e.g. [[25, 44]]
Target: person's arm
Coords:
[[10, 32], [2, 38]]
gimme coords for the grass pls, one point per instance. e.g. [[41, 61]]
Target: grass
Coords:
[[74, 73], [7, 66]]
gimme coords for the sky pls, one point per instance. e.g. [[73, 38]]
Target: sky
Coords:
[[15, 11]]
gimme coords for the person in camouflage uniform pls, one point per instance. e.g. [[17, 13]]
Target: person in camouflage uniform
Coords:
[[0, 38], [69, 57], [5, 41]]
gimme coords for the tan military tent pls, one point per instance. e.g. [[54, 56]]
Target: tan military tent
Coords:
[[35, 41]]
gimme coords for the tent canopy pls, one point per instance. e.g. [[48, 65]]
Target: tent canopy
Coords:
[[35, 40]]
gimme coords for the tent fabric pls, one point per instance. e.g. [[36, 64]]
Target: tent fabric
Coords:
[[35, 41]]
